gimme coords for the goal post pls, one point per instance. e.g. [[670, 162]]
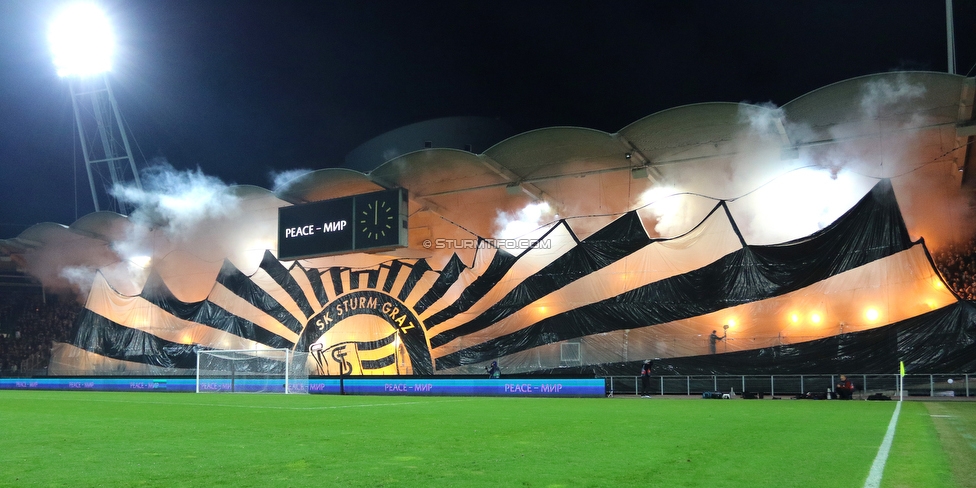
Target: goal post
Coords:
[[252, 371]]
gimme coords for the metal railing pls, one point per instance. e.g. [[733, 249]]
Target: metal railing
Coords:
[[932, 385]]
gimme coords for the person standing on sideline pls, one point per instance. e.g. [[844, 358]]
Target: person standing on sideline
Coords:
[[494, 371], [713, 339], [645, 376]]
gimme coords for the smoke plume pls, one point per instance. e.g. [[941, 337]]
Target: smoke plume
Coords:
[[528, 222], [784, 179], [280, 180], [177, 201], [174, 210]]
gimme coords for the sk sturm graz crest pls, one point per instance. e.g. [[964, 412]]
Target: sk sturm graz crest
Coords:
[[366, 332]]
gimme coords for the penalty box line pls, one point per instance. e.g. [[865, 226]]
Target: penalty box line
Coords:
[[877, 468]]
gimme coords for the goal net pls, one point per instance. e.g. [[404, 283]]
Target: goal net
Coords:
[[252, 371]]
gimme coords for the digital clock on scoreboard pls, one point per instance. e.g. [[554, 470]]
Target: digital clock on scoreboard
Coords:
[[367, 222]]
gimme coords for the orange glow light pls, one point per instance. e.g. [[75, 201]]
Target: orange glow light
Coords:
[[815, 318], [795, 318], [871, 314]]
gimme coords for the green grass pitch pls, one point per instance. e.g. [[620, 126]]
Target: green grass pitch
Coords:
[[174, 439]]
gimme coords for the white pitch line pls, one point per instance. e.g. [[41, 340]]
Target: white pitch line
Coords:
[[877, 469]]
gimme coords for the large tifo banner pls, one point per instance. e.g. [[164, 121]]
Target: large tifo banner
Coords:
[[393, 386], [857, 295]]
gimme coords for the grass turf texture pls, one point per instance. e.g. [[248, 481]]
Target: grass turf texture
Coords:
[[169, 439], [956, 424]]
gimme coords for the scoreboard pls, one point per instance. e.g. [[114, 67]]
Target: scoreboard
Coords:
[[368, 222]]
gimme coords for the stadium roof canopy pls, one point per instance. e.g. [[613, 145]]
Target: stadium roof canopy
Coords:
[[890, 123], [907, 126]]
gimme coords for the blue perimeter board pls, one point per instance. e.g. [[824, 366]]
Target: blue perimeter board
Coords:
[[562, 387]]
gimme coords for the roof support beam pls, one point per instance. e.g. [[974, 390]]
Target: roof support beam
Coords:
[[788, 151], [966, 130], [643, 167], [423, 203], [522, 186]]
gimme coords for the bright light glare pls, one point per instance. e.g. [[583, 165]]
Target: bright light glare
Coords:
[[141, 261], [815, 318], [524, 223], [871, 314], [81, 41]]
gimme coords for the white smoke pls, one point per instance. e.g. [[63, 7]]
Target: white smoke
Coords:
[[727, 169], [79, 277], [764, 119], [526, 223], [780, 182], [177, 201], [281, 179], [185, 224], [174, 209], [669, 207], [882, 95], [797, 204]]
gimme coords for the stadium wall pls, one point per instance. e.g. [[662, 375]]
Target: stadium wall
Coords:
[[561, 387]]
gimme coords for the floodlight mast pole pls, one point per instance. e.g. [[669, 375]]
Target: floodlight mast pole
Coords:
[[93, 97], [950, 38], [82, 44], [84, 144]]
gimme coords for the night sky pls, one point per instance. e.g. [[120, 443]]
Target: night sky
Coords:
[[242, 89]]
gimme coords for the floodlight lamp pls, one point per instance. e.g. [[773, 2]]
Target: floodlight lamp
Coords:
[[81, 40]]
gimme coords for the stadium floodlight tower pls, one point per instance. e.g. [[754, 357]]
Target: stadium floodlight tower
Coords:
[[82, 44]]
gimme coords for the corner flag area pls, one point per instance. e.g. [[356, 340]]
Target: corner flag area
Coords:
[[152, 439]]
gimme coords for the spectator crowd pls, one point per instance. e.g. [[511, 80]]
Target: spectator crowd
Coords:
[[957, 263], [30, 324]]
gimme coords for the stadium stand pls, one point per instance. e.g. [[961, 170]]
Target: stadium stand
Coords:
[[957, 263], [30, 323]]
